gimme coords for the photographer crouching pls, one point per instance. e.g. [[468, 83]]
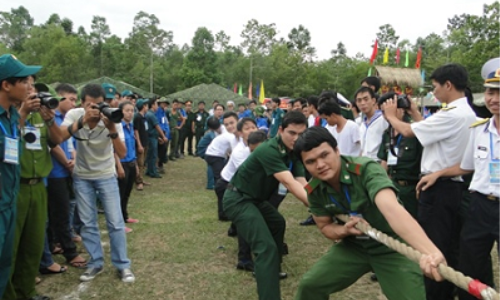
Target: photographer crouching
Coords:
[[98, 138], [400, 156]]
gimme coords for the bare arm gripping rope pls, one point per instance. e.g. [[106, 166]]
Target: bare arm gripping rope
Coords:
[[474, 287]]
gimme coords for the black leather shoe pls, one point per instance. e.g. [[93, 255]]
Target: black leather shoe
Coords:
[[245, 265], [285, 249], [282, 275], [308, 221], [373, 277], [39, 297], [232, 232]]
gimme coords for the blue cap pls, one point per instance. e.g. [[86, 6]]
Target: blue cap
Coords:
[[10, 66], [110, 90]]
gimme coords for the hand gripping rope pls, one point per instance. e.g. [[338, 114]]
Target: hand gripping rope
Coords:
[[473, 286]]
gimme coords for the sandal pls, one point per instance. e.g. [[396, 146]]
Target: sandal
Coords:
[[57, 250], [47, 271], [81, 264]]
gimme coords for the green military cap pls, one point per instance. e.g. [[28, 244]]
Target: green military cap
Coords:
[[126, 93], [10, 66], [259, 111], [140, 103], [109, 89], [162, 100]]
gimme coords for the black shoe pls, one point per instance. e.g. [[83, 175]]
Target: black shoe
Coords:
[[232, 232], [282, 275], [308, 221], [190, 154], [373, 277], [285, 249], [245, 265], [39, 297], [223, 219]]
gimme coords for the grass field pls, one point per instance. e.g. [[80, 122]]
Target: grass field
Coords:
[[180, 251]]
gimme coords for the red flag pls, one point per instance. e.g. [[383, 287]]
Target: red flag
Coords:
[[397, 56], [374, 53], [235, 89], [419, 58]]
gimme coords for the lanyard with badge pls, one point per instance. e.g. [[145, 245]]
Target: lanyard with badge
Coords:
[[494, 167], [282, 190], [32, 137], [393, 154], [351, 212], [11, 153]]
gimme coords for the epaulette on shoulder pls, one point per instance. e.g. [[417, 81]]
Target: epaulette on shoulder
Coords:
[[480, 122], [448, 108], [354, 168], [312, 184]]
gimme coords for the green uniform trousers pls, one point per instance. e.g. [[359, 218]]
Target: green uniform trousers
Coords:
[[174, 142], [408, 195], [7, 230], [345, 263], [263, 227], [29, 240]]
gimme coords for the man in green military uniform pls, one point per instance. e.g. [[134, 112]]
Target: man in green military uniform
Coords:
[[14, 86], [276, 117], [200, 119], [174, 117], [404, 167], [270, 168], [359, 187], [39, 131]]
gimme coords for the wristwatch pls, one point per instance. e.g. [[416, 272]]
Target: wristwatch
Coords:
[[113, 135], [50, 122]]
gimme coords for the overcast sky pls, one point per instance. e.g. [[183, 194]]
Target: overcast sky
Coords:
[[354, 22]]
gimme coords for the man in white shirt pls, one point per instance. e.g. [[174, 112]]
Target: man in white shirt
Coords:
[[346, 132], [373, 125], [481, 226], [443, 136], [98, 138]]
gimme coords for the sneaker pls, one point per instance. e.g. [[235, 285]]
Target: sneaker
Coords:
[[127, 276], [130, 220], [90, 274], [128, 230]]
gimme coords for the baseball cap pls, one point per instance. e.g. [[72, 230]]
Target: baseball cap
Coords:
[[491, 73], [109, 89], [126, 93], [259, 111], [140, 103], [10, 66]]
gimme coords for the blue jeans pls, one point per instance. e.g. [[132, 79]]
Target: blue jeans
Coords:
[[47, 259], [152, 156], [85, 192], [210, 177]]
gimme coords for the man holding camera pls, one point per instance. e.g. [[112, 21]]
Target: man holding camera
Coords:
[[97, 138], [401, 155], [443, 136]]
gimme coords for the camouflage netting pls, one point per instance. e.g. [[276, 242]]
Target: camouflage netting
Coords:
[[120, 86], [208, 93]]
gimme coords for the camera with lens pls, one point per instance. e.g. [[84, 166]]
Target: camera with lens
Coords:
[[47, 100], [115, 115], [402, 100]]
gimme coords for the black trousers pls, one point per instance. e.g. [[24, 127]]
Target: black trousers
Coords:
[[125, 185], [186, 134], [199, 132], [439, 216], [58, 192], [217, 164], [479, 233], [162, 154], [220, 188]]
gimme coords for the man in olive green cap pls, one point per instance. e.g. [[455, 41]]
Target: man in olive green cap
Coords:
[[359, 187], [14, 88]]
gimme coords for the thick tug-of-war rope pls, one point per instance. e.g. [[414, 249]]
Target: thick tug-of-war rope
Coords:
[[473, 286]]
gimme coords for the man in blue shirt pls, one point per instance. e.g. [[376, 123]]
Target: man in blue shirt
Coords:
[[161, 116], [59, 183], [14, 86]]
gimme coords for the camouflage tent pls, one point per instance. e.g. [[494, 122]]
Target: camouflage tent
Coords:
[[120, 86], [208, 93]]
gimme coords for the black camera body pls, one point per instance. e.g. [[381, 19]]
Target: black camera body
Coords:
[[47, 100], [402, 100], [115, 115]]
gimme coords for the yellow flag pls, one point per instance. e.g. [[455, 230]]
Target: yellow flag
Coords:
[[261, 92], [386, 56]]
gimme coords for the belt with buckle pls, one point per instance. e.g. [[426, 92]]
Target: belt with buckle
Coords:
[[492, 198], [30, 181], [406, 182], [231, 188]]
